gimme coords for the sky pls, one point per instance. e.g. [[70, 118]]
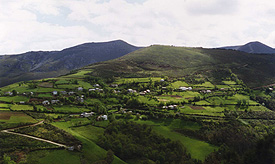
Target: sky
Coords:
[[34, 25]]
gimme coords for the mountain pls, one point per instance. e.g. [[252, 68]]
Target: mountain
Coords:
[[253, 69], [45, 64], [253, 47]]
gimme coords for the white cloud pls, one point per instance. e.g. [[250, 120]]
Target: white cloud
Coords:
[[209, 23]]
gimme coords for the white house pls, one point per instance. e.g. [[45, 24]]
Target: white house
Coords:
[[183, 88], [71, 93], [104, 117], [172, 106], [63, 92], [46, 102], [132, 91], [80, 89], [85, 114], [55, 92], [114, 85], [22, 102], [162, 80], [96, 85], [54, 101], [9, 93]]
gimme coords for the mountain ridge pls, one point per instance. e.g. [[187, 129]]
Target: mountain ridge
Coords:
[[44, 64], [156, 61], [252, 47]]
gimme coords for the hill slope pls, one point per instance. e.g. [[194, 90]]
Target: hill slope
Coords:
[[253, 69], [253, 47], [44, 64]]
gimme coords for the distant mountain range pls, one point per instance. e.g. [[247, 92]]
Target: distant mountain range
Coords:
[[253, 47], [45, 64]]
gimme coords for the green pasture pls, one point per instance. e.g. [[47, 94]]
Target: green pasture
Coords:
[[15, 117], [90, 151], [178, 84], [205, 85], [45, 95], [54, 157], [79, 74], [14, 98], [5, 105], [137, 80], [148, 101], [234, 99], [90, 132], [229, 82], [210, 111], [70, 109], [21, 107]]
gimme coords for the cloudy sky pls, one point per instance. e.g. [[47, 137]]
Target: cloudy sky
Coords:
[[27, 25]]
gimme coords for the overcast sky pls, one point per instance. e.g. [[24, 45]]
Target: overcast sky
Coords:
[[32, 25]]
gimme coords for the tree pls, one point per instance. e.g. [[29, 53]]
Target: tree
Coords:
[[7, 160], [110, 156], [14, 92]]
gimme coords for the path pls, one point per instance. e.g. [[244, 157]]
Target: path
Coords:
[[32, 137], [36, 138]]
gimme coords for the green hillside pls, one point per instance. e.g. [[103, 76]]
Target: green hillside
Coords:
[[253, 69]]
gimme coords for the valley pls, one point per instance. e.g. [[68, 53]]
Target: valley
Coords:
[[159, 104], [185, 110]]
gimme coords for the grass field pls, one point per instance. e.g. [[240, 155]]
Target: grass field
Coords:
[[178, 84], [21, 107], [14, 99], [234, 99], [211, 111], [138, 80], [146, 100], [54, 157], [229, 82], [91, 151], [90, 132], [205, 85], [70, 109], [15, 117], [5, 105], [79, 74]]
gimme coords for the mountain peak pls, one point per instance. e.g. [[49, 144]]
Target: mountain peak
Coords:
[[255, 47]]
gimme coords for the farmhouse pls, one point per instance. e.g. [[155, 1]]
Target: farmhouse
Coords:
[[183, 88], [104, 117], [162, 80], [71, 93], [54, 101], [46, 102], [63, 92], [172, 106], [85, 114], [131, 91], [55, 93], [22, 102], [80, 99], [80, 89], [96, 85], [114, 85], [8, 93]]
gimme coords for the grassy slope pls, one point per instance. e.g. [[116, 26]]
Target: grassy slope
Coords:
[[253, 69], [91, 151]]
